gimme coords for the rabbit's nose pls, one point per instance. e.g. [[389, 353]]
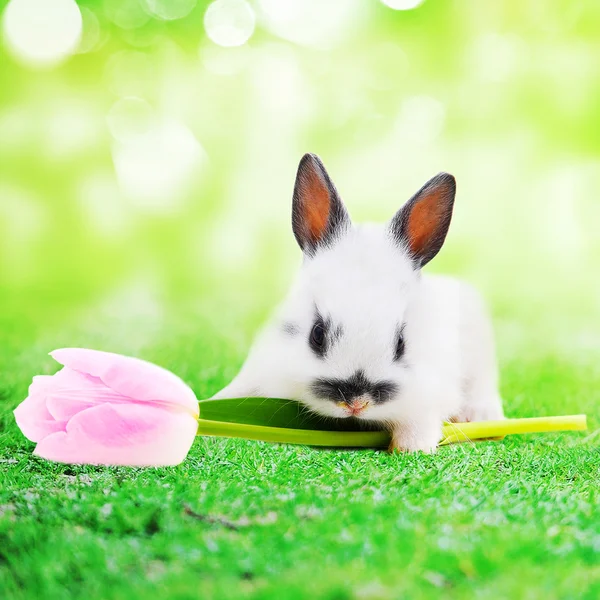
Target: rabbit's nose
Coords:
[[357, 405]]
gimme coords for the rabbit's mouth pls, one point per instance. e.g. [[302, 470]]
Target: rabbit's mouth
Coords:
[[356, 406]]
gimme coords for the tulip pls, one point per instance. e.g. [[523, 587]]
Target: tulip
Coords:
[[104, 408], [108, 409]]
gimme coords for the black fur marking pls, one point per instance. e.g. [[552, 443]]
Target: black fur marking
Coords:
[[290, 328], [345, 390], [398, 226], [337, 333], [400, 344], [319, 326], [338, 221], [331, 334]]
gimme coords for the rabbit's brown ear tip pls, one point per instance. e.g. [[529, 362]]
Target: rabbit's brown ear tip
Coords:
[[310, 157], [445, 179]]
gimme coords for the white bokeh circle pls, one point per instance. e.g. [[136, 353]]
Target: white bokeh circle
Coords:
[[129, 119], [169, 10], [42, 32], [403, 4], [229, 22]]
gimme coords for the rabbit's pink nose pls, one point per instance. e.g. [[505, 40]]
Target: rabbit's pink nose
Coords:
[[357, 405]]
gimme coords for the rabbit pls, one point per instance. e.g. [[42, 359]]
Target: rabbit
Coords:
[[363, 333]]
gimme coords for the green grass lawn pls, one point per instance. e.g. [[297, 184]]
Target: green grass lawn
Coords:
[[511, 519]]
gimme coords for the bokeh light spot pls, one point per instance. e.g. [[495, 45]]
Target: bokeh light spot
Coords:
[[403, 4], [229, 22], [42, 32], [312, 22], [91, 35], [170, 10], [126, 14], [129, 118], [69, 129], [155, 170]]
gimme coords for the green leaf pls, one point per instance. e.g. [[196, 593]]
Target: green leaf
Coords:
[[275, 412], [284, 421]]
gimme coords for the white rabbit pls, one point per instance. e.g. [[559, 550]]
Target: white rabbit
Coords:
[[363, 334]]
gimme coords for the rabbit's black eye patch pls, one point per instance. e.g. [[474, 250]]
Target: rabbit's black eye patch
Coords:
[[400, 346], [323, 334], [317, 340]]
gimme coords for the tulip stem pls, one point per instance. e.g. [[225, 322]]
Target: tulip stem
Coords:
[[281, 435], [464, 432], [452, 432]]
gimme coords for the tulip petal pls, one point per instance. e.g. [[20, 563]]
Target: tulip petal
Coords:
[[32, 415], [122, 434], [63, 408], [131, 377], [34, 420], [70, 392], [44, 411], [65, 379]]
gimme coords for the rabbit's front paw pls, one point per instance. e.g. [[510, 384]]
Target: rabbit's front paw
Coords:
[[413, 438]]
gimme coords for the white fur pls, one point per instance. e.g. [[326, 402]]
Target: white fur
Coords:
[[367, 284]]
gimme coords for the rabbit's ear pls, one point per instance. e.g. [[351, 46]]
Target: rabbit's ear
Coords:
[[421, 225], [319, 216]]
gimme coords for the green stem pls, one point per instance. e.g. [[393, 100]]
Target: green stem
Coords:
[[309, 437], [463, 432], [452, 432]]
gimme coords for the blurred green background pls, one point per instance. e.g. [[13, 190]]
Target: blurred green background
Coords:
[[147, 161]]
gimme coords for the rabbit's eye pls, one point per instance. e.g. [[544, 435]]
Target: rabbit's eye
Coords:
[[317, 338], [400, 345]]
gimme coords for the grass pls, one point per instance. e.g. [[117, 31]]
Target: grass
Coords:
[[241, 519]]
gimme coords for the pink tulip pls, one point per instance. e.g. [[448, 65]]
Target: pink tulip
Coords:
[[104, 408]]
